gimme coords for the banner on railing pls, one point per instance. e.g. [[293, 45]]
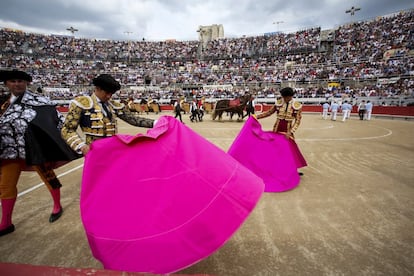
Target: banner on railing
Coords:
[[144, 88], [227, 87], [388, 80]]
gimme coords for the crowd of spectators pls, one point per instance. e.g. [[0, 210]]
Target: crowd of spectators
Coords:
[[368, 58]]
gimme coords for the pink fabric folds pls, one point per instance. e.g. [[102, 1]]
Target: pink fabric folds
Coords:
[[269, 155], [162, 201]]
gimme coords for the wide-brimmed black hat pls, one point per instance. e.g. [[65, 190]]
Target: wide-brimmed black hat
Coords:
[[15, 74], [287, 91], [107, 83]]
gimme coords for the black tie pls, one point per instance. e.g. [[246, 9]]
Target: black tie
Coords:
[[108, 113]]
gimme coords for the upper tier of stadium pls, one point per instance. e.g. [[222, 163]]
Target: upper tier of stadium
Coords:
[[364, 58]]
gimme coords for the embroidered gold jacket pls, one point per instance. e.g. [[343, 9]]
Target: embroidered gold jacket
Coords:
[[86, 112], [291, 112]]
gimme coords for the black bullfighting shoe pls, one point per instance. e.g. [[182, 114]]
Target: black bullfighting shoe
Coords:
[[7, 230], [55, 217]]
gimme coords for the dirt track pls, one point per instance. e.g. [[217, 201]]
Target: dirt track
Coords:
[[352, 214]]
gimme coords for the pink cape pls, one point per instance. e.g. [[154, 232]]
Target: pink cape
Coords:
[[269, 155], [162, 201]]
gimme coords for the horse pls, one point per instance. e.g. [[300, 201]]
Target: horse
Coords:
[[235, 106], [208, 107], [150, 106], [135, 107]]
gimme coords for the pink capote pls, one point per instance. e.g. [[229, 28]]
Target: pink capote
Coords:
[[162, 201], [269, 155]]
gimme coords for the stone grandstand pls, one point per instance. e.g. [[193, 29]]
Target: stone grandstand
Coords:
[[367, 59]]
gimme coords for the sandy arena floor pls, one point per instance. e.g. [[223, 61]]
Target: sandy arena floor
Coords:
[[352, 214]]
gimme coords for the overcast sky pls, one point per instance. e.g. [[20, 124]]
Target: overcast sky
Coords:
[[180, 19]]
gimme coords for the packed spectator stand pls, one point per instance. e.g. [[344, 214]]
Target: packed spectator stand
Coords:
[[366, 59]]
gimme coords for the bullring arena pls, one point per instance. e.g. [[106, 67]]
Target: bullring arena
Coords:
[[352, 213]]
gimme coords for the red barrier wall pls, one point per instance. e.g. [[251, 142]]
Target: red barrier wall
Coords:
[[27, 269], [382, 110]]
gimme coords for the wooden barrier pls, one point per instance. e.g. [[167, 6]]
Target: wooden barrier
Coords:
[[208, 107], [186, 107]]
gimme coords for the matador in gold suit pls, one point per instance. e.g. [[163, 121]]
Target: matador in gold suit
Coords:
[[95, 115], [288, 118], [288, 114]]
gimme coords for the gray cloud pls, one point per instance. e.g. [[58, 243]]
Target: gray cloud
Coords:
[[179, 19]]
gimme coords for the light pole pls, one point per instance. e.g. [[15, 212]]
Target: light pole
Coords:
[[72, 30], [352, 10], [277, 24], [129, 45]]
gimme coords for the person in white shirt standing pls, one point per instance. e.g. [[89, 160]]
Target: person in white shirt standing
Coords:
[[325, 108], [368, 110], [346, 110], [334, 110]]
